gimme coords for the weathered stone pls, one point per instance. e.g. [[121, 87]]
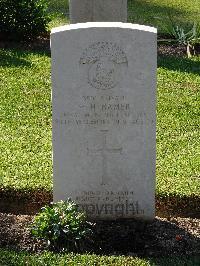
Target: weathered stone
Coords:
[[104, 118], [98, 10]]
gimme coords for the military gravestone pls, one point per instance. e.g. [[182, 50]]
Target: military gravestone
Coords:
[[98, 10], [104, 124]]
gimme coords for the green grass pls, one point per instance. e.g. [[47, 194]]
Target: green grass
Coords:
[[149, 12], [157, 12], [178, 118], [25, 108], [12, 258], [59, 11], [25, 131]]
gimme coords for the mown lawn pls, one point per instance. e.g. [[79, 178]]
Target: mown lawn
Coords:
[[59, 12], [25, 124], [158, 12], [11, 258], [148, 12], [178, 133]]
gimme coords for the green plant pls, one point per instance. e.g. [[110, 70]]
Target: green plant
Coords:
[[23, 19], [63, 226], [184, 36], [188, 35]]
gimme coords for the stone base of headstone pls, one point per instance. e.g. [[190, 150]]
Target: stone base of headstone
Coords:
[[98, 10]]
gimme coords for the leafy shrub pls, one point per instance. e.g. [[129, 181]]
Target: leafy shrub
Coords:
[[187, 35], [63, 226], [22, 19]]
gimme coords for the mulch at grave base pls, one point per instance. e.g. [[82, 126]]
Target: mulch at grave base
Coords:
[[24, 201], [30, 202], [43, 43], [162, 237], [176, 50]]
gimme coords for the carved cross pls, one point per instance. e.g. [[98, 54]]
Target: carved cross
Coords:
[[104, 151]]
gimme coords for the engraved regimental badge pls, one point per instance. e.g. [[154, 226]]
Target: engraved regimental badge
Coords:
[[105, 61]]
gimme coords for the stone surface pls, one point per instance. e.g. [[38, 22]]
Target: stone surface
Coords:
[[98, 10], [104, 118]]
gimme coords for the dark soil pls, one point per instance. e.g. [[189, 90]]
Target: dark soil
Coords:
[[172, 50], [30, 202], [177, 50], [24, 201], [160, 237], [43, 43]]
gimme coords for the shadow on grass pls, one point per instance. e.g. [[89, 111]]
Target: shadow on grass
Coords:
[[146, 12], [178, 206], [181, 64], [11, 59], [58, 6], [176, 261], [16, 257], [30, 201], [17, 58], [24, 201]]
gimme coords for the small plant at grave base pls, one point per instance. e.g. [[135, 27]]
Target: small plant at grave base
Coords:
[[63, 226]]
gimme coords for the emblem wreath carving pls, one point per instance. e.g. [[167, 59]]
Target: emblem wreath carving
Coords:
[[105, 60]]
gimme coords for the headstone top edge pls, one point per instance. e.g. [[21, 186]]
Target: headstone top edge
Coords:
[[104, 25]]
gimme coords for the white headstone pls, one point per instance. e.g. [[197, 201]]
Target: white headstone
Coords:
[[97, 10], [104, 118]]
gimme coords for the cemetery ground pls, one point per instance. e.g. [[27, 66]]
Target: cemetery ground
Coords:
[[26, 160], [155, 12]]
